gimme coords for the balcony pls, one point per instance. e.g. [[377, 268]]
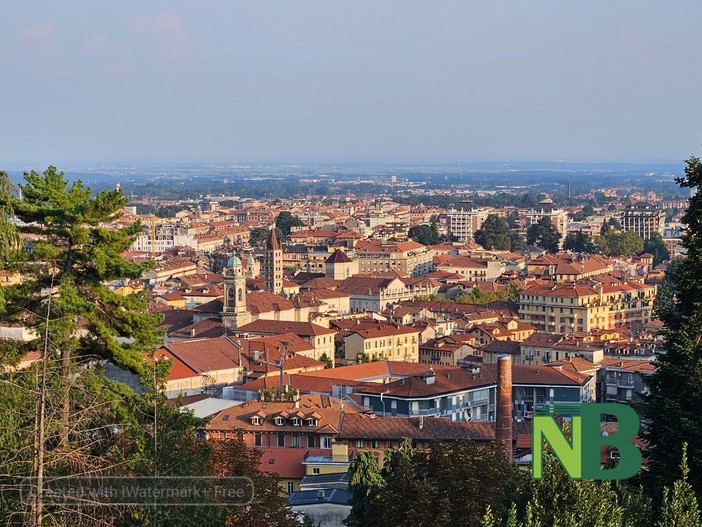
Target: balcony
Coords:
[[476, 402]]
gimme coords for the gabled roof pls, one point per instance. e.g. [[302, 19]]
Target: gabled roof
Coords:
[[338, 256]]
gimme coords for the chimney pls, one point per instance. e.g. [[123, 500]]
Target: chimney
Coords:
[[503, 424]]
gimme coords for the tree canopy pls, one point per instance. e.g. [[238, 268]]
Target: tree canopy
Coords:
[[494, 234], [672, 404], [425, 234], [544, 234], [286, 221]]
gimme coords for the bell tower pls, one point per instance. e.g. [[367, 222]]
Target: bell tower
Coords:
[[234, 312]]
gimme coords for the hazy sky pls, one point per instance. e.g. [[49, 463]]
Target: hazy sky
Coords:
[[349, 80]]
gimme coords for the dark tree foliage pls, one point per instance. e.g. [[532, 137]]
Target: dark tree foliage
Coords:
[[674, 399], [258, 236], [613, 243], [611, 223], [425, 234], [286, 221], [578, 243], [544, 234], [656, 246], [494, 233], [449, 484]]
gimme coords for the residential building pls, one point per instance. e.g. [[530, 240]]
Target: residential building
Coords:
[[463, 223], [446, 351], [384, 342], [405, 258], [586, 305], [623, 381], [644, 219]]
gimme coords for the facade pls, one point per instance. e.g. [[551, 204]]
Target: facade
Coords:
[[387, 342], [469, 394], [374, 294], [445, 351], [622, 381], [406, 258], [644, 219], [463, 223], [586, 305], [472, 269]]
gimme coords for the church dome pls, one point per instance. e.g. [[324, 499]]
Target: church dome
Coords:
[[233, 261]]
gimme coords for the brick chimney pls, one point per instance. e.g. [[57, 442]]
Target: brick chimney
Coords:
[[503, 420]]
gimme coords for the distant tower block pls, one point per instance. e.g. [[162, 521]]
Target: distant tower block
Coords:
[[503, 424], [273, 265]]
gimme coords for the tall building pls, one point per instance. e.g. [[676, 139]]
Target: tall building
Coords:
[[464, 222], [273, 265], [644, 219], [558, 217], [234, 312]]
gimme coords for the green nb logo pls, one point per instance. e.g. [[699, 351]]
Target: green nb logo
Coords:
[[581, 455]]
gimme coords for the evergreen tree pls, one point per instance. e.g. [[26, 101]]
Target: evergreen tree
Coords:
[[286, 221], [494, 234], [544, 234], [656, 246], [672, 404], [365, 482], [578, 242], [680, 508], [259, 236], [425, 234]]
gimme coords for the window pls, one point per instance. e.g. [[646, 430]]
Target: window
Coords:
[[255, 420], [291, 487], [310, 440], [326, 442], [315, 472], [360, 443], [296, 441], [279, 421], [311, 421], [297, 421], [281, 439], [258, 441], [376, 444]]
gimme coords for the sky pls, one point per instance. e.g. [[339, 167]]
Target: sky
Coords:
[[408, 81]]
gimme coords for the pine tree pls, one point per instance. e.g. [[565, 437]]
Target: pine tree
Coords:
[[680, 508], [672, 404]]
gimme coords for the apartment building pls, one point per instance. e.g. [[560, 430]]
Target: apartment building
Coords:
[[384, 342], [406, 258], [463, 223], [644, 219], [586, 305]]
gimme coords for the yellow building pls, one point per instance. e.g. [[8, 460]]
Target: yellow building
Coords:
[[586, 305]]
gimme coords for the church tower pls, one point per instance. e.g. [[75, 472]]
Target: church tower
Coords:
[[234, 312], [273, 265]]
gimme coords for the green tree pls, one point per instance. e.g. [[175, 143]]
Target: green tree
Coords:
[[613, 243], [365, 482], [259, 236], [494, 234], [326, 360], [656, 246], [425, 234], [680, 507], [578, 242], [286, 221], [66, 298], [675, 389], [544, 234]]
